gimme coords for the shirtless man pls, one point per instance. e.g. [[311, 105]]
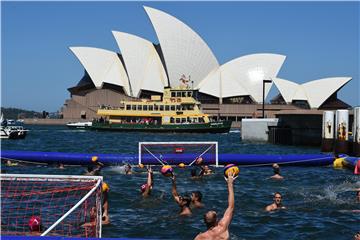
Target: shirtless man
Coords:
[[183, 202], [277, 204], [220, 229], [147, 187], [276, 175]]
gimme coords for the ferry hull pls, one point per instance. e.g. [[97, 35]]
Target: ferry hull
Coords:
[[213, 127]]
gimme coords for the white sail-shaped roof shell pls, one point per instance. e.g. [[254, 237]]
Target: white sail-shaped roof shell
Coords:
[[287, 88], [244, 76], [314, 92], [318, 91], [102, 66], [185, 52], [143, 64]]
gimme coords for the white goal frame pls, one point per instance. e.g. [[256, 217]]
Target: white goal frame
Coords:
[[54, 178], [182, 143]]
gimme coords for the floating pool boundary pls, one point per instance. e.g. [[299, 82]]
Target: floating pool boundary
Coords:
[[171, 158]]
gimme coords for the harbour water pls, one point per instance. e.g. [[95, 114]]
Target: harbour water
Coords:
[[320, 200]]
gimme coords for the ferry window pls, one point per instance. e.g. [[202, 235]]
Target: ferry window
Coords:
[[151, 107], [178, 107], [189, 94], [172, 107], [178, 94], [191, 107], [172, 120], [139, 107], [145, 107], [183, 94], [128, 107], [161, 107], [133, 107], [195, 120], [167, 107], [201, 120], [183, 120], [177, 120], [156, 107], [173, 94]]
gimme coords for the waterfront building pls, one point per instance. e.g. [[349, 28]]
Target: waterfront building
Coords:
[[229, 91]]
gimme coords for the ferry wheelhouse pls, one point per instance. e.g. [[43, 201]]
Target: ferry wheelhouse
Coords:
[[175, 111]]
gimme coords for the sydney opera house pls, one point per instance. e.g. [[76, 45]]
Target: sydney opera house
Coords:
[[232, 90]]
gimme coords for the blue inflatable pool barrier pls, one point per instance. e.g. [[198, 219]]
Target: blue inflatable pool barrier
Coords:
[[350, 162], [171, 158]]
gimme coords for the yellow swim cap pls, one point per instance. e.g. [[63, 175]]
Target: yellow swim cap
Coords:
[[141, 165], [181, 165], [94, 158], [105, 187]]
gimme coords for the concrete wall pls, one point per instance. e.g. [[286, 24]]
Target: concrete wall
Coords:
[[256, 129]]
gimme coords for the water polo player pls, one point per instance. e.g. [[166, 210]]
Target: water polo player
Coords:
[[183, 202], [147, 187]]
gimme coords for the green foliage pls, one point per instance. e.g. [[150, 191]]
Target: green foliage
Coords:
[[15, 113]]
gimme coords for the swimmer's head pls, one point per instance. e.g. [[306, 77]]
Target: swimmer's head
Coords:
[[143, 187], [196, 196], [185, 201], [210, 219], [127, 168], [277, 198], [35, 224], [276, 168]]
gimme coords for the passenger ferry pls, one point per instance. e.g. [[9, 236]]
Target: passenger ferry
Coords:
[[175, 111]]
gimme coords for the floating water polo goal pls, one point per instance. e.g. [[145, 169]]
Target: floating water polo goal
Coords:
[[62, 205], [173, 153]]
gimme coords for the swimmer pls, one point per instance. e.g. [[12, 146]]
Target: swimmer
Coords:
[[277, 204], [105, 206], [276, 175], [95, 168], [196, 198], [206, 170], [35, 226], [183, 202], [220, 229], [147, 187], [358, 195], [194, 175], [357, 236], [128, 170], [61, 166], [10, 163]]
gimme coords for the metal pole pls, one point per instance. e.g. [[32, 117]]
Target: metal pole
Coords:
[[263, 102]]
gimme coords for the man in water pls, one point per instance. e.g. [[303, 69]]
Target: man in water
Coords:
[[196, 198], [127, 169], [35, 226], [276, 175], [277, 204], [95, 167], [147, 187], [183, 202], [220, 229]]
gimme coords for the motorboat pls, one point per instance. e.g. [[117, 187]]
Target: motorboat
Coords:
[[79, 125], [13, 132]]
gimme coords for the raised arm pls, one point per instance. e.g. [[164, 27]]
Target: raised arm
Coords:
[[226, 220], [148, 183], [173, 189]]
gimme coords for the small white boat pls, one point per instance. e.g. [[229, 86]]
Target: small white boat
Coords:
[[79, 125], [13, 132]]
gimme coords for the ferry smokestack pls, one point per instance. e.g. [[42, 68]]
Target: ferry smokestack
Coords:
[[356, 132], [327, 143], [342, 131]]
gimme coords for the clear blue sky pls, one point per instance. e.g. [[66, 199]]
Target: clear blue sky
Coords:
[[320, 39]]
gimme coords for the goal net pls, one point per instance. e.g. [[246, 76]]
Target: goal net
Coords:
[[173, 153], [51, 205]]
